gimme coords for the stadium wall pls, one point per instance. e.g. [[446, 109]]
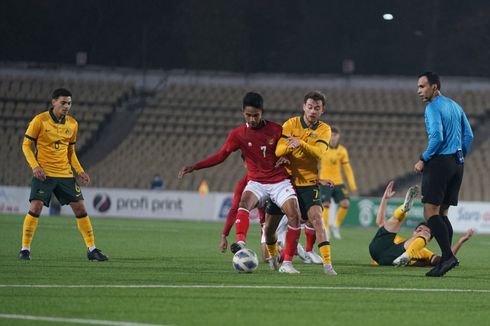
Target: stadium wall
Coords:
[[184, 205]]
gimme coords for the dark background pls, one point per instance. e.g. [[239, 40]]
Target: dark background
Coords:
[[449, 36]]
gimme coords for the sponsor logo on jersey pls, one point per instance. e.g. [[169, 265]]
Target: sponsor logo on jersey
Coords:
[[271, 141]]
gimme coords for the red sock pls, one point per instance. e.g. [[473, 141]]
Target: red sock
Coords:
[[292, 237], [310, 238], [242, 223]]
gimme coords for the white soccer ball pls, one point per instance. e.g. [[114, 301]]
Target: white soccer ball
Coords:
[[245, 261]]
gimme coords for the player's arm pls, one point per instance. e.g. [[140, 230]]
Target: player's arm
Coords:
[[436, 259], [467, 135], [380, 217], [231, 216], [215, 159], [282, 147], [433, 122], [349, 174], [30, 138], [73, 159]]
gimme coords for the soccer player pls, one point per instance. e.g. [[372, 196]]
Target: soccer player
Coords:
[[257, 139], [305, 141], [388, 248], [442, 164], [54, 134], [336, 159]]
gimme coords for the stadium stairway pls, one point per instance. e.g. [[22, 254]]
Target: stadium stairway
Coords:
[[481, 133], [116, 128]]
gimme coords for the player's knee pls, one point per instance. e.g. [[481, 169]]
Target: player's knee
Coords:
[[344, 203], [36, 207], [326, 205]]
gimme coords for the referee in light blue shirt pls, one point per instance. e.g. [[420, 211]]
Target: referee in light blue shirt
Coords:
[[442, 163]]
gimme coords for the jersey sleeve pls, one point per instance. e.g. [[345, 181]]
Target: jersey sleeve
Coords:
[[231, 144], [30, 137], [349, 174], [433, 124], [320, 147], [282, 147]]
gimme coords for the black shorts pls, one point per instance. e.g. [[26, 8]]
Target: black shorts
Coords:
[[338, 193], [66, 190], [383, 249], [441, 180], [307, 196]]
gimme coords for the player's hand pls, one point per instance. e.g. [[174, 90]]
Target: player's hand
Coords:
[[85, 178], [293, 142], [419, 166], [389, 190], [185, 170], [38, 173], [467, 236], [283, 160], [325, 182], [223, 244]]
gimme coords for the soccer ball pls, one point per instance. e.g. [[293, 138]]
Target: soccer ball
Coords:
[[245, 261]]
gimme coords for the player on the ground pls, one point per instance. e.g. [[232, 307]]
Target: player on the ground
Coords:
[[336, 159], [257, 139], [54, 134], [305, 141], [388, 248]]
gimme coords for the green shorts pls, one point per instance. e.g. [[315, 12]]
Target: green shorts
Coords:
[[307, 196], [65, 189], [338, 193], [383, 248]]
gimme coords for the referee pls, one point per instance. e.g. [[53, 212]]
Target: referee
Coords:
[[442, 163]]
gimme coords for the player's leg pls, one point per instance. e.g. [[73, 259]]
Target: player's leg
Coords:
[[291, 209], [341, 197], [325, 196], [394, 223], [413, 248], [253, 194], [40, 196], [272, 221]]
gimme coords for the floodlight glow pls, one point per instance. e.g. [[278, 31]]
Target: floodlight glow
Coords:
[[388, 17]]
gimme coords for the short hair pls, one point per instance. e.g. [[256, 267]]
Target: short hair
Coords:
[[427, 225], [335, 129], [433, 78], [253, 99], [60, 92], [315, 96]]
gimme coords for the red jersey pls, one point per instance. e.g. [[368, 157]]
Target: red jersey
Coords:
[[258, 148]]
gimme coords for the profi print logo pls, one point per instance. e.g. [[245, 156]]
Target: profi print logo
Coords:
[[102, 202], [366, 212]]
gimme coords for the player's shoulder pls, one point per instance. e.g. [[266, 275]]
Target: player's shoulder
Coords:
[[71, 119], [342, 148], [272, 124]]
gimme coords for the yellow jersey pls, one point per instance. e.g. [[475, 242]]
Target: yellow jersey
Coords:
[[313, 146], [55, 145], [331, 167]]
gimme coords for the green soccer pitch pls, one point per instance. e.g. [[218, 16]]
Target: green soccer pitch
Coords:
[[172, 273]]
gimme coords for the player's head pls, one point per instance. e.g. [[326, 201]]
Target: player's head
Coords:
[[335, 138], [423, 230], [428, 86], [252, 109], [61, 101], [314, 106]]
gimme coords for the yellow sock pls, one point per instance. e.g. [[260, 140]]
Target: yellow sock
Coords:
[[272, 249], [325, 216], [28, 229], [341, 212], [325, 252], [399, 214], [85, 228], [414, 248]]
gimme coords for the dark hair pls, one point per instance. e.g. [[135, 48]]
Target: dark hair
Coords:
[[60, 92], [335, 129], [253, 99], [433, 78], [316, 96]]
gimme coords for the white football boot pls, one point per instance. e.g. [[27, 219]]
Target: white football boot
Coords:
[[328, 269], [287, 267], [412, 194]]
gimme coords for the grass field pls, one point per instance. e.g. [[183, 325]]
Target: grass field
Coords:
[[172, 273]]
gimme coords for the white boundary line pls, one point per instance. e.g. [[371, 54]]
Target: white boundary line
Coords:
[[75, 320], [211, 286]]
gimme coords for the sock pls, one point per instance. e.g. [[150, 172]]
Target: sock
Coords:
[[85, 228], [399, 214], [325, 216], [449, 228], [292, 237], [341, 212], [310, 238], [439, 231], [324, 248], [414, 248], [28, 229], [272, 249], [242, 223]]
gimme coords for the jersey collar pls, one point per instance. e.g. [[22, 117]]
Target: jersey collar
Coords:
[[305, 126], [55, 119]]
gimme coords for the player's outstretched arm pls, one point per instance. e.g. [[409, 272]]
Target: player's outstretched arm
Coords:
[[186, 170], [462, 240], [389, 193]]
